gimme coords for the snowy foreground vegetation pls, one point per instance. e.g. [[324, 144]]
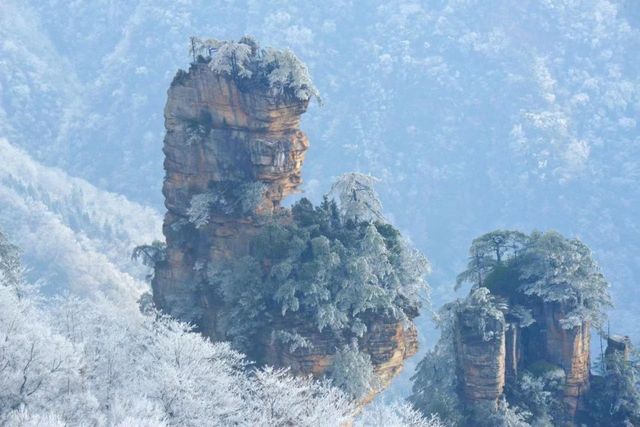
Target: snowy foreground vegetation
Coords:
[[70, 361]]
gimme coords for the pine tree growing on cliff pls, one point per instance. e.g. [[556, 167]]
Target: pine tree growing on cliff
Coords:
[[563, 270], [150, 255], [325, 266], [545, 265], [282, 72], [288, 73], [233, 59], [356, 198], [195, 47], [490, 251], [352, 371]]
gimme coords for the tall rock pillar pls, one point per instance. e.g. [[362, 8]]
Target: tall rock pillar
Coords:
[[569, 349], [230, 152], [480, 342], [234, 150]]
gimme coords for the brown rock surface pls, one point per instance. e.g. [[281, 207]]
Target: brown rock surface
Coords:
[[388, 342], [569, 349], [485, 366], [217, 134], [480, 361]]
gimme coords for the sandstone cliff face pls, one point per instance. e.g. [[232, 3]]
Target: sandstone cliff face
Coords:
[[219, 136], [222, 135], [481, 363], [486, 366], [388, 342], [218, 133], [569, 349]]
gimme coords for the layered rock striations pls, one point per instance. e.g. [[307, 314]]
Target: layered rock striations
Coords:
[[234, 150], [523, 333], [569, 349], [220, 140], [480, 343], [491, 359]]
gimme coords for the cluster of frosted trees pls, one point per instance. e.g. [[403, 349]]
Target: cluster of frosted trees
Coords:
[[280, 70], [507, 268], [87, 362], [329, 266], [547, 266], [66, 361]]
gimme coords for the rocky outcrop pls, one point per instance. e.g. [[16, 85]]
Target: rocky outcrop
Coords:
[[388, 342], [569, 349], [482, 365], [234, 151], [491, 358], [219, 138], [618, 344], [481, 355]]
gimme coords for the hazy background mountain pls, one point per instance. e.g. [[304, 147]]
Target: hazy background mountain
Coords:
[[475, 115], [75, 237]]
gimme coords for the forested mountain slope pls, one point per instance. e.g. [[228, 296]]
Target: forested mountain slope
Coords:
[[76, 236]]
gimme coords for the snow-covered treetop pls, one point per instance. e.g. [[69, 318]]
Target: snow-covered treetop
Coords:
[[279, 70], [563, 270], [546, 265], [482, 311], [356, 197]]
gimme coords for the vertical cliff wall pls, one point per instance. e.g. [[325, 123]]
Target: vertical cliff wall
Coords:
[[481, 364], [569, 349], [492, 357], [221, 143]]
